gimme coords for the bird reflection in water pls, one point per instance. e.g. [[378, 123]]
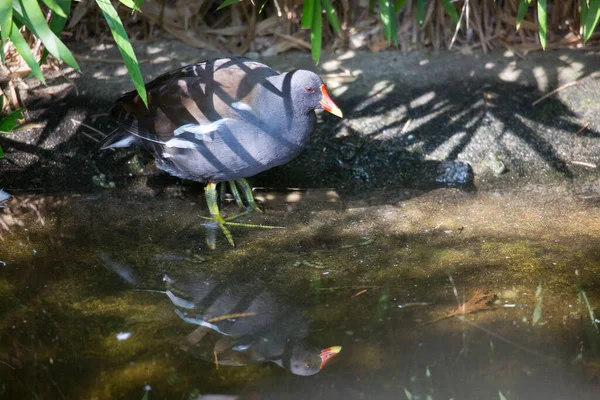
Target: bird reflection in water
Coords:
[[239, 322]]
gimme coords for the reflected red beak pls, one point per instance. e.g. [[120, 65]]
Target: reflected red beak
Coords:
[[328, 104], [329, 353]]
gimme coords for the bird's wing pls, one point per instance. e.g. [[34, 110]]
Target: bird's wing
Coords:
[[197, 95]]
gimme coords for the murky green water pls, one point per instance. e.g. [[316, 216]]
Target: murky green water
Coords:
[[365, 273]]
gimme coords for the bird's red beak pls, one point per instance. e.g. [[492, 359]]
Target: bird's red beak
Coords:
[[328, 104], [328, 353]]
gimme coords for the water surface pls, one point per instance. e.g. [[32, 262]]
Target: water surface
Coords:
[[376, 274]]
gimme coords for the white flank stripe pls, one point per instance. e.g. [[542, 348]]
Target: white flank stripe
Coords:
[[180, 143], [200, 130], [240, 105]]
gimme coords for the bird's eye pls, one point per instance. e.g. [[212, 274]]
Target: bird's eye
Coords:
[[309, 89]]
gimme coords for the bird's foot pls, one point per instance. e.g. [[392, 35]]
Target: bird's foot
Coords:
[[223, 223]]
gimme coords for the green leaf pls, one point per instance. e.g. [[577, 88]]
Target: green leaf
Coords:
[[124, 45], [263, 6], [38, 25], [388, 18], [371, 7], [9, 123], [583, 12], [5, 21], [227, 3], [591, 20], [133, 4], [1, 153], [421, 8], [331, 16], [523, 6], [23, 49], [501, 396], [308, 11], [451, 10], [57, 24], [542, 17], [399, 4], [55, 7], [316, 32]]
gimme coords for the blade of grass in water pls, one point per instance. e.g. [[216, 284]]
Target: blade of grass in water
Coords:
[[537, 312], [124, 45]]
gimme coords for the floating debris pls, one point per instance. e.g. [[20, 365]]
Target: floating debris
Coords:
[[123, 335]]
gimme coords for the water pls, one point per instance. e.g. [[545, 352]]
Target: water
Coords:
[[375, 274]]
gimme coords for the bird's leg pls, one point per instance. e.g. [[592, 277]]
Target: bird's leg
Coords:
[[247, 191], [213, 208], [215, 216], [236, 195]]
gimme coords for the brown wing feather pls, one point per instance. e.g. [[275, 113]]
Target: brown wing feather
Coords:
[[196, 93]]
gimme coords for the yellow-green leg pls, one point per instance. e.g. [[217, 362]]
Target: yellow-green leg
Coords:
[[210, 191], [247, 192], [215, 215]]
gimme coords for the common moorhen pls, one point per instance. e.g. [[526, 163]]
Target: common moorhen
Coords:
[[222, 120], [239, 321]]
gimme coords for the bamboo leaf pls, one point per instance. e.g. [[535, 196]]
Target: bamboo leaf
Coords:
[[5, 21], [124, 45], [57, 24], [591, 20], [331, 16], [227, 3], [523, 6], [37, 24], [135, 4], [316, 32], [451, 10], [399, 5], [55, 7], [23, 49], [583, 13], [262, 6], [542, 17], [308, 11], [388, 18], [421, 8], [9, 123]]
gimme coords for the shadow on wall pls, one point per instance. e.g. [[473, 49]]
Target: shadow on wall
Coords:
[[402, 129]]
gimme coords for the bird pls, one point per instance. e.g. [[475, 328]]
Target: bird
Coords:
[[222, 121], [249, 325], [240, 321]]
